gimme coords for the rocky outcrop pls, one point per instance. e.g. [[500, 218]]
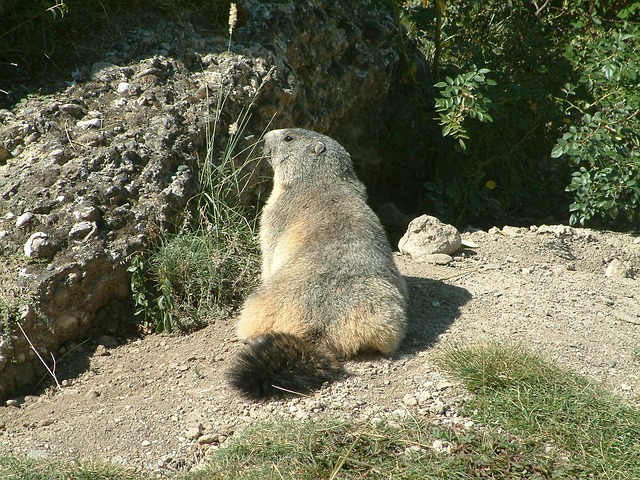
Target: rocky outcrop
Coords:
[[88, 173]]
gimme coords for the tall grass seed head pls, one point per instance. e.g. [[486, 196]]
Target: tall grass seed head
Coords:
[[233, 17]]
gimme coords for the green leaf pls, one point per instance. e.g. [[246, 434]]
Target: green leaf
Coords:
[[557, 151]]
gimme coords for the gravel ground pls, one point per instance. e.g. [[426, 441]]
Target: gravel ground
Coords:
[[161, 402]]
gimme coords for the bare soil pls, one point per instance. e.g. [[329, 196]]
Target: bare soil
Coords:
[[161, 402]]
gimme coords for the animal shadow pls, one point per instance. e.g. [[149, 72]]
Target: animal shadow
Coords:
[[433, 306]]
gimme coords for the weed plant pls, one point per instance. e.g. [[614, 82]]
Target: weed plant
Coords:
[[203, 272]]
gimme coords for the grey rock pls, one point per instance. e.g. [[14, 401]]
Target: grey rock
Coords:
[[91, 123], [82, 230], [104, 72], [73, 109], [427, 235]]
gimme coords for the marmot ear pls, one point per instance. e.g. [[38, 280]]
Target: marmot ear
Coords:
[[318, 148]]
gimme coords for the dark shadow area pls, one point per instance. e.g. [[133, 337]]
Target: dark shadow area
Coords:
[[433, 307]]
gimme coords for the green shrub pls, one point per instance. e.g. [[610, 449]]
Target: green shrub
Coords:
[[603, 135], [564, 109]]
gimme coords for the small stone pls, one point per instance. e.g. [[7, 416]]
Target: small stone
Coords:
[[409, 400], [194, 433], [90, 214], [57, 156], [208, 439], [444, 385], [557, 230], [72, 109], [38, 246], [24, 219], [91, 123], [618, 269], [104, 72], [146, 443], [101, 351], [12, 403], [123, 87], [512, 231], [494, 231], [82, 230], [441, 446]]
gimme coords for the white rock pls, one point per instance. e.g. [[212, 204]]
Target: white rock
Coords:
[[409, 400], [123, 87], [427, 235], [557, 230], [37, 245], [91, 123], [25, 218], [618, 269]]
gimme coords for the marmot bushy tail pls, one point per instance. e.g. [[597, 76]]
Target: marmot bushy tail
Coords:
[[281, 364], [330, 288]]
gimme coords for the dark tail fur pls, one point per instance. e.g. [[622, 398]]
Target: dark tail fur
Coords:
[[277, 365]]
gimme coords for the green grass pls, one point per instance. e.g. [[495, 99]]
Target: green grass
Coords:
[[196, 278], [531, 398], [533, 421], [402, 449]]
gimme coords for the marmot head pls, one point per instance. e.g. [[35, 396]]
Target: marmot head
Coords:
[[302, 156]]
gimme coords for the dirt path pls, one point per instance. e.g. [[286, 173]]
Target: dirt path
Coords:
[[162, 403]]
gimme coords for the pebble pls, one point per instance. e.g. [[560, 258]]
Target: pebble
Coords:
[[208, 439], [618, 269], [441, 446], [91, 123], [194, 433], [409, 400], [24, 219], [101, 351]]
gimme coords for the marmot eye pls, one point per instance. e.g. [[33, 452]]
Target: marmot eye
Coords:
[[288, 138]]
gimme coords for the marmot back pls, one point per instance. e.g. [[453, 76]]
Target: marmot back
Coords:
[[330, 288]]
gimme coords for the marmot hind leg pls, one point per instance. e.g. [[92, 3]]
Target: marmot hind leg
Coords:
[[261, 315]]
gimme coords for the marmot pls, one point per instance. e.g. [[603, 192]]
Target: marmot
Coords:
[[330, 288]]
